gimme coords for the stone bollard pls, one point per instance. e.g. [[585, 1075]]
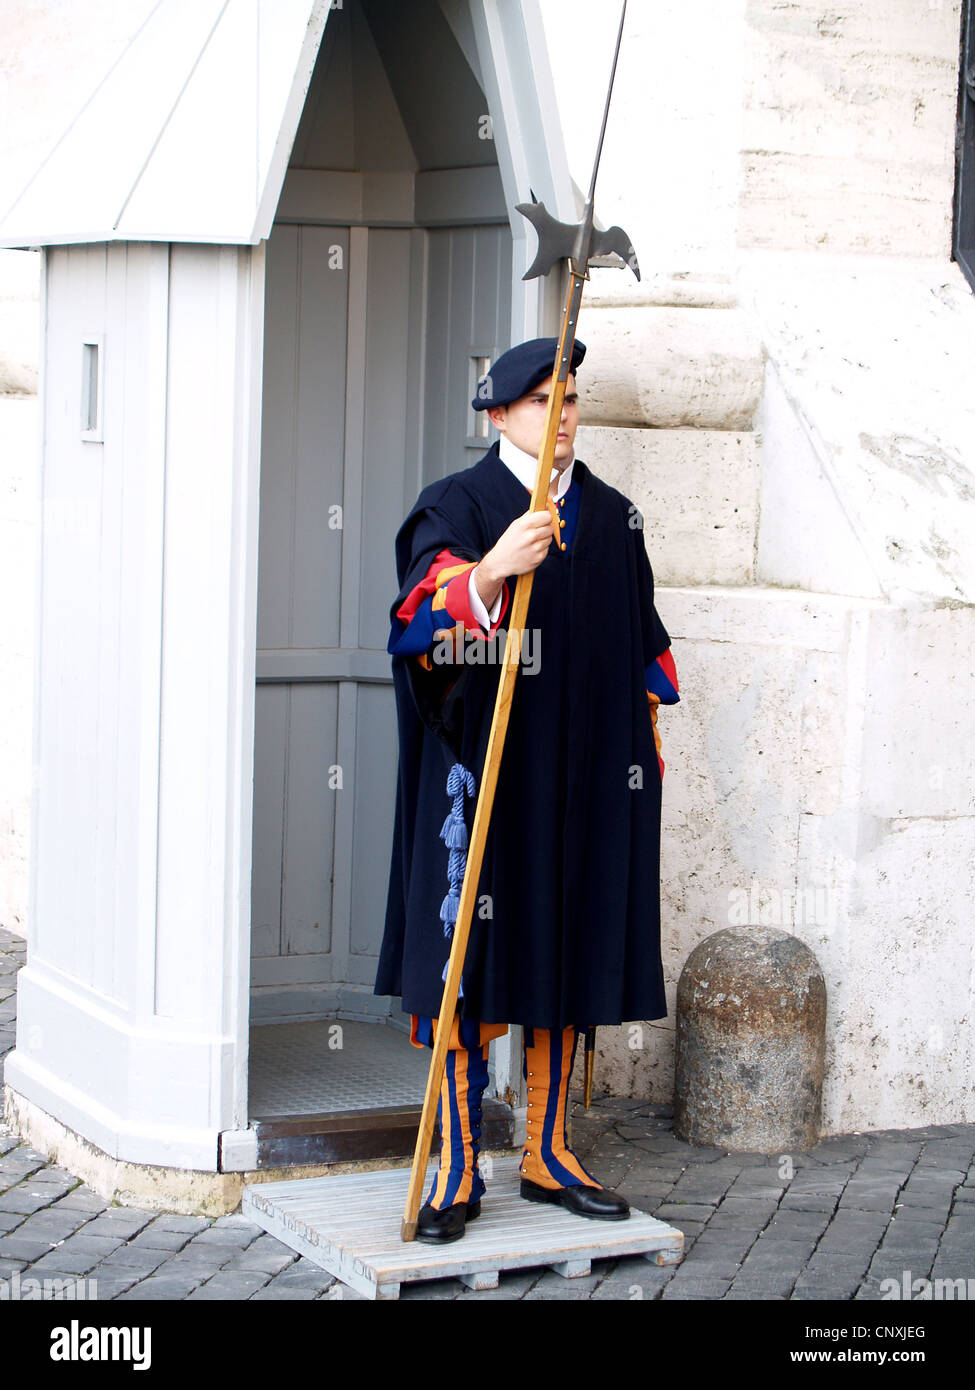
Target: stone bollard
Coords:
[[751, 1040]]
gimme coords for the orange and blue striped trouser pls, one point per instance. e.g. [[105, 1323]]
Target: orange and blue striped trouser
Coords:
[[547, 1159], [548, 1059], [459, 1108]]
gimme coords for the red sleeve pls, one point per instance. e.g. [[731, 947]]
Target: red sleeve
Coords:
[[428, 584], [447, 581]]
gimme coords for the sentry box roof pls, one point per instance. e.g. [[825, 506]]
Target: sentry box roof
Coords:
[[153, 120]]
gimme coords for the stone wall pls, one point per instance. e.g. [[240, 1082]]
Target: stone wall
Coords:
[[798, 433], [848, 140]]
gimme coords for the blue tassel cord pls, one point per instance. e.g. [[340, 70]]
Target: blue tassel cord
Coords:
[[460, 782]]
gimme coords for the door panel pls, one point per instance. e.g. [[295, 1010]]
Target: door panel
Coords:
[[469, 313], [310, 804], [303, 436], [388, 452], [376, 755], [368, 340]]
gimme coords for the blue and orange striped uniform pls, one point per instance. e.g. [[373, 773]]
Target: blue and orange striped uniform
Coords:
[[547, 1159], [439, 603], [459, 1110]]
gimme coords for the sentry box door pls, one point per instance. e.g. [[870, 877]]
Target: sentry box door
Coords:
[[352, 429], [388, 285]]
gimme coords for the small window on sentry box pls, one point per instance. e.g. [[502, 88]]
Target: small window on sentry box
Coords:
[[92, 352], [479, 425]]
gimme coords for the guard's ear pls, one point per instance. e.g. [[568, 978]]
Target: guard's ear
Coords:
[[498, 414]]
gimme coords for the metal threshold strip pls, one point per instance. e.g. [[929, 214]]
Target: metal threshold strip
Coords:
[[360, 1135]]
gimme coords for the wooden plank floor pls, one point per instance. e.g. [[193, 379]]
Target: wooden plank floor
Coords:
[[350, 1225]]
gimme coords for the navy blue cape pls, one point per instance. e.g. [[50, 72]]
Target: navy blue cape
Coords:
[[567, 924]]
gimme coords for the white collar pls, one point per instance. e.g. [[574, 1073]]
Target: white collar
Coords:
[[525, 467]]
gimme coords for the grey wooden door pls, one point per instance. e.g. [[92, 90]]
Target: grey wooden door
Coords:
[[371, 337]]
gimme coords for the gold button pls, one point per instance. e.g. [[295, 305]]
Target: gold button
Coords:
[[563, 545], [561, 523]]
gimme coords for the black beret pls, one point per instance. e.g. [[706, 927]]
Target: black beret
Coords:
[[519, 370]]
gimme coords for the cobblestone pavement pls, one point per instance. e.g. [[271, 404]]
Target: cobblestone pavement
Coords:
[[832, 1223]]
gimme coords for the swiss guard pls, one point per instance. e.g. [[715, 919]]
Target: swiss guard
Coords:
[[566, 932]]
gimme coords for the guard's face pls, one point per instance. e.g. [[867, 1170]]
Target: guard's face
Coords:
[[523, 421]]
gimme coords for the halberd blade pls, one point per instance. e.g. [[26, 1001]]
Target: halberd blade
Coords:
[[614, 241], [556, 240]]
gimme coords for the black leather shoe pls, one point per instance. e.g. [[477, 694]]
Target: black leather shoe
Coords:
[[435, 1227], [582, 1201]]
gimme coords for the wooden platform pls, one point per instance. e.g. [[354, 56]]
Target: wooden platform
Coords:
[[350, 1226]]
